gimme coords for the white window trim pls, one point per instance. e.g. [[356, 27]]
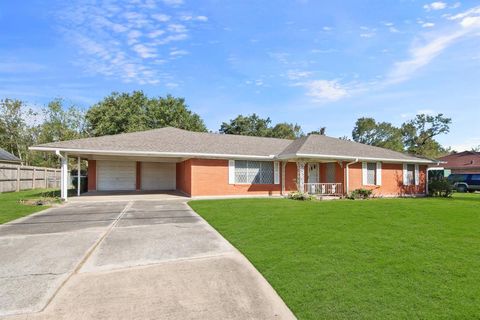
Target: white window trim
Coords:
[[365, 174], [276, 172], [231, 174], [416, 174], [231, 171]]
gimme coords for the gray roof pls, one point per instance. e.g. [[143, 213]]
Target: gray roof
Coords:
[[8, 157], [321, 145], [175, 141]]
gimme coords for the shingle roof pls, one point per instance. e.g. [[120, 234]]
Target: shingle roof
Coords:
[[8, 157], [177, 141], [315, 144], [173, 140]]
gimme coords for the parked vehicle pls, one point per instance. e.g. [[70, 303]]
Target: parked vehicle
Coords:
[[463, 182]]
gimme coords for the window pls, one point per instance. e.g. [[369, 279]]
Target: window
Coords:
[[371, 173], [475, 177], [410, 174], [254, 172]]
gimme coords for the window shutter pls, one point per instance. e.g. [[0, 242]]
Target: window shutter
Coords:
[[379, 174], [276, 172], [231, 171], [405, 174], [417, 175], [364, 174]]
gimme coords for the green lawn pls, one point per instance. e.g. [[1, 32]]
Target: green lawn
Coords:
[[374, 259], [11, 208]]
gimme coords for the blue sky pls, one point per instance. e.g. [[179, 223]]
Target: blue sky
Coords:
[[316, 63]]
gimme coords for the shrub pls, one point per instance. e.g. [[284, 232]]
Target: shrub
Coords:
[[360, 194], [440, 188], [303, 196]]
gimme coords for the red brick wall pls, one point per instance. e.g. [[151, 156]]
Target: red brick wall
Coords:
[[184, 175], [209, 177], [392, 180], [92, 175]]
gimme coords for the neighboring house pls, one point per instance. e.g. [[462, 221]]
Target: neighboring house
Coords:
[[210, 164], [7, 157], [462, 162]]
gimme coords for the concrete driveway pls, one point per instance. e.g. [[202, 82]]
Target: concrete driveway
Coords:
[[142, 259]]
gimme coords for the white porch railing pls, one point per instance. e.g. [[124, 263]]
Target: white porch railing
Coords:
[[331, 189]]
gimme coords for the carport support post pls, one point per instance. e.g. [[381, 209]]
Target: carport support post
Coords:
[[78, 176], [301, 176], [64, 177]]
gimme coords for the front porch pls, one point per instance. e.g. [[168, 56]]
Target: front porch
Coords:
[[319, 178]]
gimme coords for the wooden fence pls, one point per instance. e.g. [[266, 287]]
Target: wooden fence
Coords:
[[17, 177]]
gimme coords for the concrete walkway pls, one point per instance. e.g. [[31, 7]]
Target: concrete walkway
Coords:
[[142, 259]]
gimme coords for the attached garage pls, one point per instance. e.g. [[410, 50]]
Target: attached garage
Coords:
[[115, 175], [158, 176]]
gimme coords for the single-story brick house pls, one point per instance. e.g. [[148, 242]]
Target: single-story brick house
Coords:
[[210, 164], [462, 162]]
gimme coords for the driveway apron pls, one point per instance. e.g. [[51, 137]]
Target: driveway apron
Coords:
[[145, 259]]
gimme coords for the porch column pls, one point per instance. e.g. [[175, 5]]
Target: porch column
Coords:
[[284, 163], [78, 176], [64, 178], [301, 176]]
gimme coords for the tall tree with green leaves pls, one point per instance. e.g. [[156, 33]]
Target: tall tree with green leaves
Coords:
[[14, 130], [59, 124], [381, 134], [286, 130], [253, 125], [416, 136], [130, 112], [419, 133]]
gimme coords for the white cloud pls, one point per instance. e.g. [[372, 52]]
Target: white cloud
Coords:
[[297, 74], [144, 51], [367, 35], [326, 28], [422, 55], [124, 39], [173, 3], [179, 52], [428, 25], [176, 27], [194, 18], [161, 17], [325, 90], [438, 5]]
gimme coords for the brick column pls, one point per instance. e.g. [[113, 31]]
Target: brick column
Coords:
[[138, 180]]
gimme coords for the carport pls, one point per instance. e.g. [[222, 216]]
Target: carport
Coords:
[[114, 173]]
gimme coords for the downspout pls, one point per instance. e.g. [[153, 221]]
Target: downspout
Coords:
[[348, 175]]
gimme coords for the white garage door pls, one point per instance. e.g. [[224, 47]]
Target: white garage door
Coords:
[[116, 175], [158, 176]]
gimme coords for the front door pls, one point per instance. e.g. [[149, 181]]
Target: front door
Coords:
[[313, 177], [313, 173]]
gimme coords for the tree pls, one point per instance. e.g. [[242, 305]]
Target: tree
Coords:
[[382, 134], [14, 133], [125, 112], [286, 131], [322, 131], [418, 134], [251, 125], [59, 124], [476, 149], [173, 112]]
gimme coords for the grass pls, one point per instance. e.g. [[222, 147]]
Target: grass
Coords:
[[12, 208], [374, 259]]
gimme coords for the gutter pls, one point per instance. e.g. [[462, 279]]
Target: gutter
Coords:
[[152, 153]]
